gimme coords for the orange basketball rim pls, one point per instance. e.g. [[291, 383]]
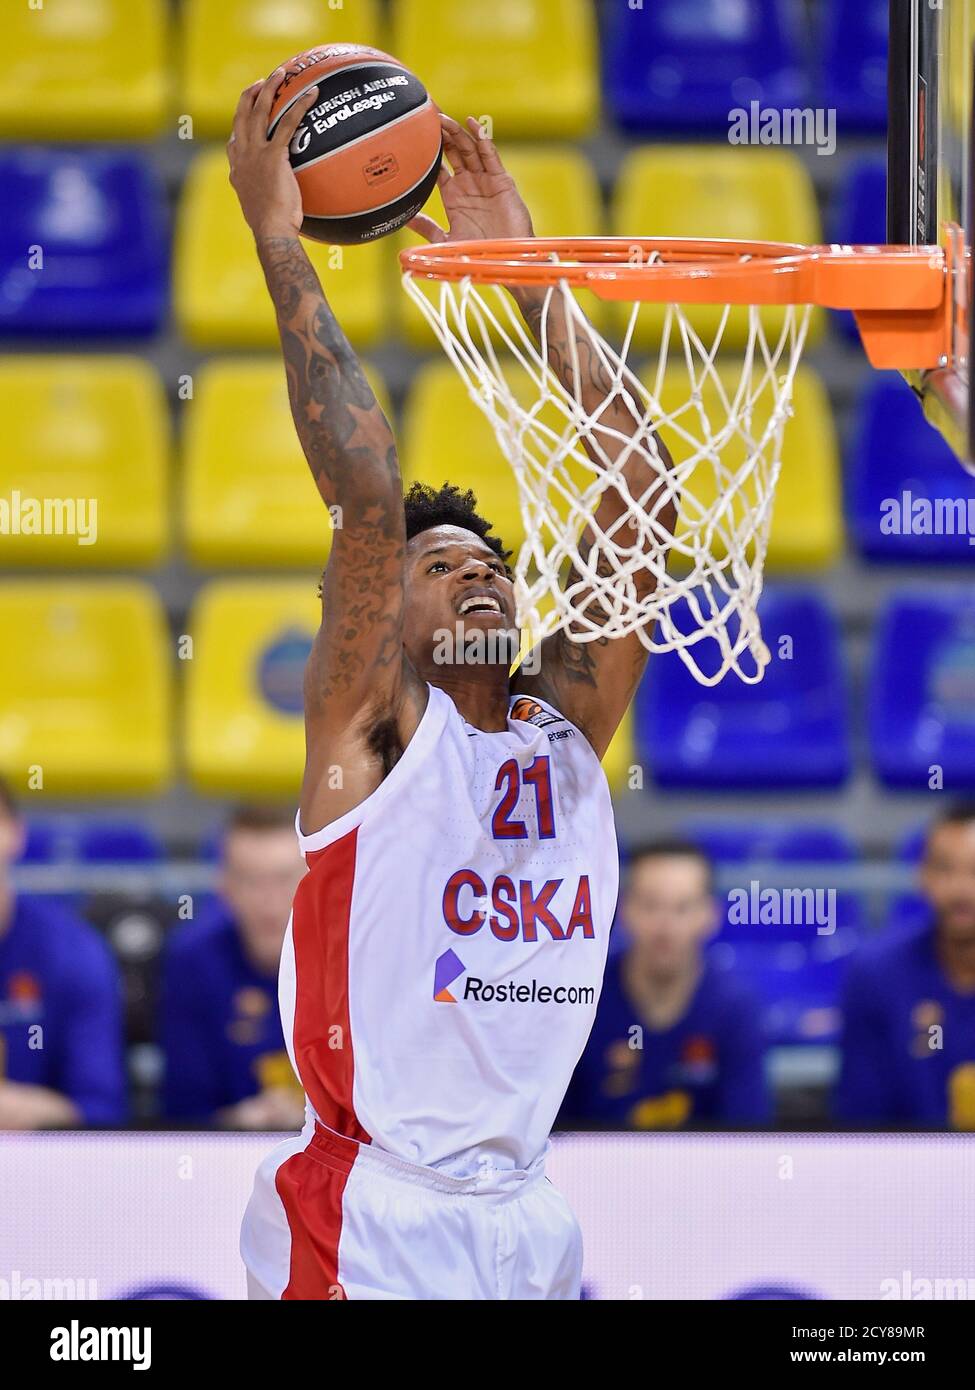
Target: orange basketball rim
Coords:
[[722, 424], [901, 296]]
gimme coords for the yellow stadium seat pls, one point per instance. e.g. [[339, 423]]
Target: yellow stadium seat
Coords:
[[228, 44], [561, 191], [807, 519], [447, 439], [84, 69], [953, 177], [249, 497], [85, 688], [529, 65], [244, 729], [220, 294], [714, 191], [86, 452], [559, 185]]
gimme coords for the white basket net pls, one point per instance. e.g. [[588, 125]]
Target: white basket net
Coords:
[[724, 432]]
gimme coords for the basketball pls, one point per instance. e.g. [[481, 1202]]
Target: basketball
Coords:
[[368, 153]]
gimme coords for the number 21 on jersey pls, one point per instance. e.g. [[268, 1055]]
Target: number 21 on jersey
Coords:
[[538, 776]]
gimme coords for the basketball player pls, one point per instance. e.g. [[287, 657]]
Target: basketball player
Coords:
[[445, 951]]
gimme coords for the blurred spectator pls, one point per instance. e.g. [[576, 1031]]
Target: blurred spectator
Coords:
[[61, 1046], [221, 1031], [908, 1044], [676, 1039]]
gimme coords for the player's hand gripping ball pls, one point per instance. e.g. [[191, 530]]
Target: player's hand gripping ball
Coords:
[[367, 154]]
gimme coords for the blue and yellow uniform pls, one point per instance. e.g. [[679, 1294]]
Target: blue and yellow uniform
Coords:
[[708, 1066], [221, 1030], [908, 1045], [61, 1010]]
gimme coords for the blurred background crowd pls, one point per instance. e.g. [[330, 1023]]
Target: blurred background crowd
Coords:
[[190, 1033], [153, 646]]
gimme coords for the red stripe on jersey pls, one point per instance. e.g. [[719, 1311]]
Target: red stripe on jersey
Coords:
[[322, 1038], [311, 1186]]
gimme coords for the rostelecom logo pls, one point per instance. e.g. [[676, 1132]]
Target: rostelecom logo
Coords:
[[447, 969]]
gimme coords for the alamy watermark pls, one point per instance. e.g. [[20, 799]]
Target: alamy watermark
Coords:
[[915, 1289], [908, 515], [770, 125], [493, 646], [19, 1287], [21, 515], [76, 1342], [783, 907]]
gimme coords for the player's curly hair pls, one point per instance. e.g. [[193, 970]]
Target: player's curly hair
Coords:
[[448, 506], [427, 506]]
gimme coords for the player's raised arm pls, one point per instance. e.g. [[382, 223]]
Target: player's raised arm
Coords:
[[356, 680], [591, 683]]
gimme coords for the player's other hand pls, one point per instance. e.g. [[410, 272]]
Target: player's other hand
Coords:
[[260, 170], [479, 195], [276, 1108]]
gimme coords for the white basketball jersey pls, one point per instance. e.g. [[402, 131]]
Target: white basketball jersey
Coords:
[[445, 953]]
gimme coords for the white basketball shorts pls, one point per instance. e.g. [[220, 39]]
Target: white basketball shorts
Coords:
[[330, 1219]]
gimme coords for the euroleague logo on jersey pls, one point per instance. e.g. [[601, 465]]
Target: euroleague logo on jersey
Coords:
[[531, 712]]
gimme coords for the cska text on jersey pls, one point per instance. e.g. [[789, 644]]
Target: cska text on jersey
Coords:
[[517, 909]]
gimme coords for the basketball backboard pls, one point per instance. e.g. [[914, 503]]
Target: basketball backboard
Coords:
[[929, 180]]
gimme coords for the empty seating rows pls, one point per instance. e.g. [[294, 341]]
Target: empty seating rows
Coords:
[[87, 838], [89, 477], [87, 244], [91, 703], [110, 69]]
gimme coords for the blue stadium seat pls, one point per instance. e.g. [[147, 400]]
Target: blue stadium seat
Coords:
[[788, 732], [751, 847], [98, 219], [793, 969], [909, 908], [66, 839], [911, 847], [858, 217], [797, 984], [907, 911], [119, 842], [853, 52], [921, 703], [810, 844], [736, 841], [685, 64], [907, 498], [48, 841], [859, 211], [725, 842]]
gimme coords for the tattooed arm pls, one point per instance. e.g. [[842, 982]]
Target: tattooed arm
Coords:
[[362, 699], [592, 683]]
